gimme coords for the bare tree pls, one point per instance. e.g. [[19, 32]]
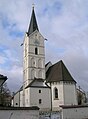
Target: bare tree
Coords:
[[5, 96]]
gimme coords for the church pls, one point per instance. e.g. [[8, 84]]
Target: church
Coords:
[[47, 86]]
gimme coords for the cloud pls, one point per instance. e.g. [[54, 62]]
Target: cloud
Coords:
[[69, 32], [76, 61], [63, 22], [2, 60], [14, 76]]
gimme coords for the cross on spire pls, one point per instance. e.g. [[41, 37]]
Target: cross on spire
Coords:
[[33, 5]]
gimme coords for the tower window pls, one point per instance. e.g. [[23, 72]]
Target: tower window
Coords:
[[39, 91], [36, 51], [56, 93], [39, 63], [16, 103], [40, 74], [32, 74], [33, 63], [40, 101]]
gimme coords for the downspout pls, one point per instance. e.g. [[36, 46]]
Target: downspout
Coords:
[[51, 100], [51, 95], [19, 98]]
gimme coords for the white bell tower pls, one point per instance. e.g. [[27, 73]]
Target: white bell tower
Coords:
[[34, 53]]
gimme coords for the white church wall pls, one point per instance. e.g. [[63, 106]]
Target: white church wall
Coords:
[[16, 99], [60, 100], [41, 50], [70, 95], [21, 98], [61, 93], [66, 94], [33, 73], [29, 70], [35, 35], [31, 60], [44, 97], [27, 97], [32, 49], [41, 38]]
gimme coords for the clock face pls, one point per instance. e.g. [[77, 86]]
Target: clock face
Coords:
[[36, 42]]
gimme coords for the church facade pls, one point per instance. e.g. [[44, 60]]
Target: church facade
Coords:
[[46, 86]]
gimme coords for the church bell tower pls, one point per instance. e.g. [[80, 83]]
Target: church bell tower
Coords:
[[34, 53]]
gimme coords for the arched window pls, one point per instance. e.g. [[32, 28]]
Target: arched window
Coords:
[[36, 51], [32, 74], [39, 63], [56, 93], [40, 74], [33, 63]]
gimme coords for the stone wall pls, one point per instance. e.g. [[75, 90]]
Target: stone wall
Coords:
[[19, 113], [75, 112]]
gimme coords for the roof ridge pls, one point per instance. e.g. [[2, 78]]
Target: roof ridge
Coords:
[[56, 63]]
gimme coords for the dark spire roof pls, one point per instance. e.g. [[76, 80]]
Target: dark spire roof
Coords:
[[33, 23], [58, 72]]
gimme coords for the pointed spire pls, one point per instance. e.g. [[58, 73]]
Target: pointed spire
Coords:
[[33, 23]]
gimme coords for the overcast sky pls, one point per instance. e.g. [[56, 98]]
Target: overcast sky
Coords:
[[63, 22]]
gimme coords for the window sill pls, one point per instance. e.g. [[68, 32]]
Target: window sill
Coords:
[[56, 98]]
